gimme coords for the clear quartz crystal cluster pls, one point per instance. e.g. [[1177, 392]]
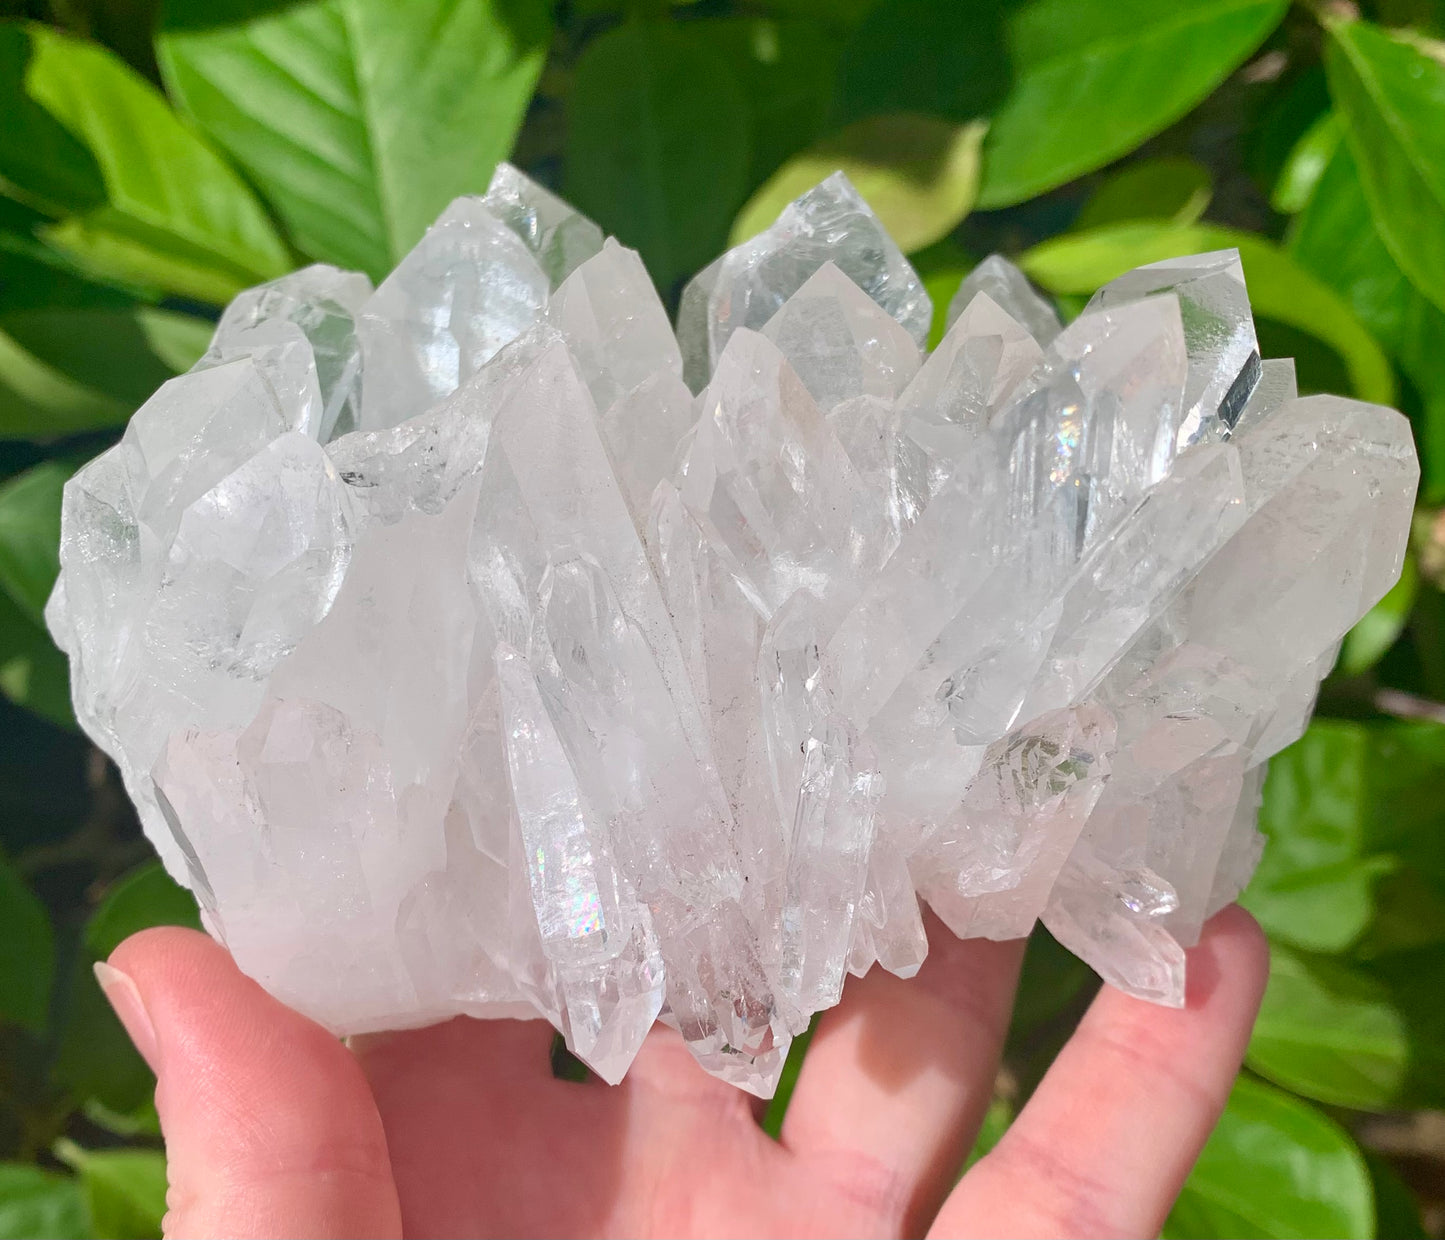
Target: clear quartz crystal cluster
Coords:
[[476, 644]]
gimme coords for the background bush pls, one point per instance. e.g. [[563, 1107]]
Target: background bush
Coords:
[[156, 159]]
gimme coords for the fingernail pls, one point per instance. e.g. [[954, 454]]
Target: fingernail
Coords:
[[124, 996]]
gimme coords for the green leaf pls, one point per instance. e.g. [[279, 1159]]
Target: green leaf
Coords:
[[70, 370], [1397, 1213], [145, 897], [30, 534], [1391, 97], [1172, 188], [786, 70], [948, 59], [788, 1081], [40, 1203], [33, 673], [156, 206], [1315, 882], [1369, 1037], [27, 953], [35, 277], [1279, 288], [1306, 165], [125, 1190], [918, 173], [1274, 1167], [657, 145], [1336, 239], [1094, 79], [360, 120], [1381, 626], [1330, 1032], [1352, 814], [96, 1058]]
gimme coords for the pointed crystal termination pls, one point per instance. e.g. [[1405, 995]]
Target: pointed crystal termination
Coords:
[[322, 301], [1008, 288], [464, 662], [750, 283], [470, 287], [560, 238], [1224, 362]]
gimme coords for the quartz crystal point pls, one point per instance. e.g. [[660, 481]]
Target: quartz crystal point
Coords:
[[478, 645], [749, 284]]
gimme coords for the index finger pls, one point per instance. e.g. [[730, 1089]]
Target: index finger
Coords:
[[1105, 1143]]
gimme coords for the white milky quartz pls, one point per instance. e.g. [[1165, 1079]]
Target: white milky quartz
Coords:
[[479, 645]]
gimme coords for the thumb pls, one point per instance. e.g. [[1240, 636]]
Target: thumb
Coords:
[[270, 1127]]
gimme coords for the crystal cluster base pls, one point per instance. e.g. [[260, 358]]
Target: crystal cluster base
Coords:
[[478, 644]]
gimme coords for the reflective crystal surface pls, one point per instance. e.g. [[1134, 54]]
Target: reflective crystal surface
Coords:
[[480, 645]]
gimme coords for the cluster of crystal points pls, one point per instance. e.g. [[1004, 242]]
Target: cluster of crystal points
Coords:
[[479, 645]]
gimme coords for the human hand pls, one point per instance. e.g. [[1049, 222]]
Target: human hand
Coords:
[[274, 1128]]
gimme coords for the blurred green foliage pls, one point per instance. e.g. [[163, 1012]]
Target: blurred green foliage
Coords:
[[155, 158]]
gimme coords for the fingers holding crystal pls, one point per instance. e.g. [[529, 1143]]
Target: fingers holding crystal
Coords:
[[270, 1128], [1105, 1143], [899, 1074]]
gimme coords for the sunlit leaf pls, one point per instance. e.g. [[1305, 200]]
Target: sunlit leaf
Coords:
[[1173, 189], [125, 1190], [1336, 239], [35, 1202], [1391, 97], [1305, 165], [1274, 1167], [918, 173], [1094, 79], [358, 119], [156, 206], [1366, 1036]]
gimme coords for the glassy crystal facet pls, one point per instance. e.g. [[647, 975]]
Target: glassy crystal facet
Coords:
[[479, 645]]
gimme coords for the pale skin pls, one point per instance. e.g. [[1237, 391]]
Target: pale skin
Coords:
[[274, 1128]]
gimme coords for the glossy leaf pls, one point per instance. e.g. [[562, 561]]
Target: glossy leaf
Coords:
[[1336, 239], [360, 120], [27, 952], [1366, 1036], [33, 673], [34, 1202], [1173, 189], [1391, 97], [1093, 80], [125, 1190], [1279, 288], [30, 534], [918, 173], [787, 70], [1345, 806], [69, 370], [169, 213], [657, 145], [145, 897], [1330, 1032], [1306, 165], [1314, 885], [1274, 1167]]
